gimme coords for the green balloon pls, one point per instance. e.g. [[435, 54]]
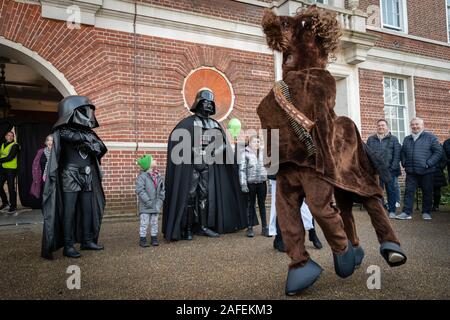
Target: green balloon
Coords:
[[235, 127]]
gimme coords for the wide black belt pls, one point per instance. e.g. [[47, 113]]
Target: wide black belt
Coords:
[[82, 170]]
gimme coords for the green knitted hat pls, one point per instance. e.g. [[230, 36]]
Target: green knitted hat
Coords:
[[145, 162]]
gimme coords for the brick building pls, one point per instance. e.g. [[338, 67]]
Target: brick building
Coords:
[[140, 62]]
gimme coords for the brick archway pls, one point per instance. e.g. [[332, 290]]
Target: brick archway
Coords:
[[17, 51]]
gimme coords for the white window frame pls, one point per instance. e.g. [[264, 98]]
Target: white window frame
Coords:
[[403, 17], [407, 108], [447, 12], [325, 2]]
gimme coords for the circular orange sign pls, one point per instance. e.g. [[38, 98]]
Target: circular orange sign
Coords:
[[214, 80]]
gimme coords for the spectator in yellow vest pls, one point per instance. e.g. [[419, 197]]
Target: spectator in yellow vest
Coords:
[[8, 172]]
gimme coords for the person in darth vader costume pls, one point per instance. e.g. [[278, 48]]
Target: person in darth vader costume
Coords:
[[202, 196], [73, 197]]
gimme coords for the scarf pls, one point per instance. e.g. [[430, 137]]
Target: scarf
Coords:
[[47, 155], [416, 136], [382, 136], [154, 176]]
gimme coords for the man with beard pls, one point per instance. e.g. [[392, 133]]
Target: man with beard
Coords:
[[73, 198], [202, 184]]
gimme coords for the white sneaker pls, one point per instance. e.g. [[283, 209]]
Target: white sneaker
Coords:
[[395, 257], [392, 215], [426, 216], [403, 216]]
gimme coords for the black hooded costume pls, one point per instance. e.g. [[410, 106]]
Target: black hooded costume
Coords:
[[73, 177], [216, 185]]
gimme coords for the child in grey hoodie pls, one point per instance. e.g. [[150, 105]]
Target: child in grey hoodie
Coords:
[[151, 193]]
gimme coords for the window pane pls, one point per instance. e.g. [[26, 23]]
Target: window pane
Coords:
[[402, 98], [402, 126], [401, 85]]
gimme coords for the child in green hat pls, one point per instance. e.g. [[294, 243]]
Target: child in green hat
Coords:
[[151, 193]]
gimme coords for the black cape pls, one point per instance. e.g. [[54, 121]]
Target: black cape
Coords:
[[226, 202], [52, 204]]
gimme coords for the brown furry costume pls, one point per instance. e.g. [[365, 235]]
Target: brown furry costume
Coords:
[[340, 164]]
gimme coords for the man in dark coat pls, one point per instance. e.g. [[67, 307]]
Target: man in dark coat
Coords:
[[73, 198], [202, 183], [420, 155], [388, 147], [446, 147]]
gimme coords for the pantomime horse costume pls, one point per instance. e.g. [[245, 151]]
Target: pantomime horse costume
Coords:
[[320, 154]]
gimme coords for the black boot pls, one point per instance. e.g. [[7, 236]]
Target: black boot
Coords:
[[278, 244], [204, 231], [250, 232], [71, 252], [154, 241], [265, 232], [314, 239], [143, 242], [90, 245], [187, 235]]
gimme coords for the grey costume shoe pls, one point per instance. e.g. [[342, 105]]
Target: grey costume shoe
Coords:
[[299, 279]]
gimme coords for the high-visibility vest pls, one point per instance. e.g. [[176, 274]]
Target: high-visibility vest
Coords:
[[4, 151]]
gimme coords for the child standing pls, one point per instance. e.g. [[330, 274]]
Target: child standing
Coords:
[[150, 192]]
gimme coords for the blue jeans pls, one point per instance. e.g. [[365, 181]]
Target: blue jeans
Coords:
[[413, 181], [391, 191]]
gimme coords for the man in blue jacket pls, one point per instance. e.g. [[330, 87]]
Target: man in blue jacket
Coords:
[[420, 154], [388, 147]]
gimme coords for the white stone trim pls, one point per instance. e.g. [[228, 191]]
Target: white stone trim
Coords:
[[256, 3], [402, 63], [408, 36], [31, 58], [131, 146]]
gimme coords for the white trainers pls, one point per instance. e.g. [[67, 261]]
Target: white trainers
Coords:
[[392, 215], [426, 216], [403, 216], [395, 257]]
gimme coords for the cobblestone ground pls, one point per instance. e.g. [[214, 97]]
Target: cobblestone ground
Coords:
[[229, 267]]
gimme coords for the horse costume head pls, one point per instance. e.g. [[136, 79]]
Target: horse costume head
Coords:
[[307, 40]]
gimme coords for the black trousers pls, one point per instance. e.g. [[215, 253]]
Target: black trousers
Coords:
[[436, 197], [257, 190], [9, 176], [70, 200], [414, 181]]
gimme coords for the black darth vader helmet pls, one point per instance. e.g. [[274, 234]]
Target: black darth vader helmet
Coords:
[[76, 110], [204, 94]]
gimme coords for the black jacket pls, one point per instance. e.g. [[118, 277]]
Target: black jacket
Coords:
[[422, 156], [447, 154], [439, 175], [389, 148]]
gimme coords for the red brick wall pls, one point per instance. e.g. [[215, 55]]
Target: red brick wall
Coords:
[[426, 19], [431, 102], [225, 9], [433, 105], [371, 100], [99, 63]]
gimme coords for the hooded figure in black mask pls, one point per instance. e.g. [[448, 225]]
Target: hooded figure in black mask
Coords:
[[73, 198], [202, 183]]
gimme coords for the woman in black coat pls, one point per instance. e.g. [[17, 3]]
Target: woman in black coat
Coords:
[[439, 181]]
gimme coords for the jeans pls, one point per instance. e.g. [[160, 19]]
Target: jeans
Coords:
[[413, 181], [257, 190], [9, 176], [391, 192]]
